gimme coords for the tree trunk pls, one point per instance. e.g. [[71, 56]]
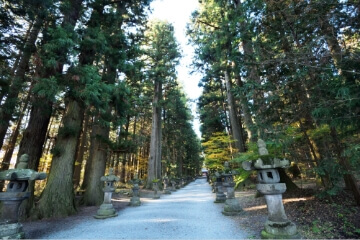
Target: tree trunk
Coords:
[[88, 161], [9, 106], [34, 137], [223, 105], [235, 126], [124, 160], [253, 76], [80, 152], [349, 178], [329, 33], [93, 193], [57, 199], [248, 122], [284, 178], [5, 164], [154, 163]]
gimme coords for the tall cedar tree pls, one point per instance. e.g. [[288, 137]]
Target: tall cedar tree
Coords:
[[162, 56]]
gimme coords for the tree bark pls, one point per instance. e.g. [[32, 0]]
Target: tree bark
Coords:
[[87, 175], [248, 122], [80, 152], [349, 178], [235, 126], [93, 192], [57, 199], [154, 163]]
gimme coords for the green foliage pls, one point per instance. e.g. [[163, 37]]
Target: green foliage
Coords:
[[241, 177], [46, 88], [68, 131], [217, 150], [353, 154], [56, 151]]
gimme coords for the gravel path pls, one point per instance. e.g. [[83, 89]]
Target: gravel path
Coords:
[[189, 213]]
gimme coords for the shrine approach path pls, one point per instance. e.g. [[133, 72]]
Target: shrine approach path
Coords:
[[188, 213]]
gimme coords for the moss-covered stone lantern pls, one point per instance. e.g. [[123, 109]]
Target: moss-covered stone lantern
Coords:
[[277, 226], [135, 199], [16, 192], [155, 187], [166, 185], [220, 195], [106, 209], [232, 206]]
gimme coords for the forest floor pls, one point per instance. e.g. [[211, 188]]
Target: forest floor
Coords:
[[316, 218], [337, 217]]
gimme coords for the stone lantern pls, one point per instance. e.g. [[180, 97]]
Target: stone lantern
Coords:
[[106, 209], [220, 196], [155, 187], [182, 182], [16, 192], [135, 199], [232, 206], [173, 185], [166, 185], [277, 226], [177, 183]]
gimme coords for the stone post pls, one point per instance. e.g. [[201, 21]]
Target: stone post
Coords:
[[220, 196], [182, 182], [16, 192], [173, 185], [177, 181], [232, 206], [106, 209], [135, 199], [156, 189], [277, 226], [166, 185]]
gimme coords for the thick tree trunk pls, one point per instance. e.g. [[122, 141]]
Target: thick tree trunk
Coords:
[[57, 199], [34, 136], [235, 126], [93, 192], [154, 163], [9, 106]]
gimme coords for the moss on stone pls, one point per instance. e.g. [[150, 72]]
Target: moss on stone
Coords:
[[266, 235]]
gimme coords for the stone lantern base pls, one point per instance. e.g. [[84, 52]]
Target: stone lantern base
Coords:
[[106, 210], [220, 197], [232, 207], [167, 191], [11, 231], [135, 201], [280, 230]]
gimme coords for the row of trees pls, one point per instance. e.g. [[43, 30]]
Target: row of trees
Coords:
[[284, 71], [88, 85]]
